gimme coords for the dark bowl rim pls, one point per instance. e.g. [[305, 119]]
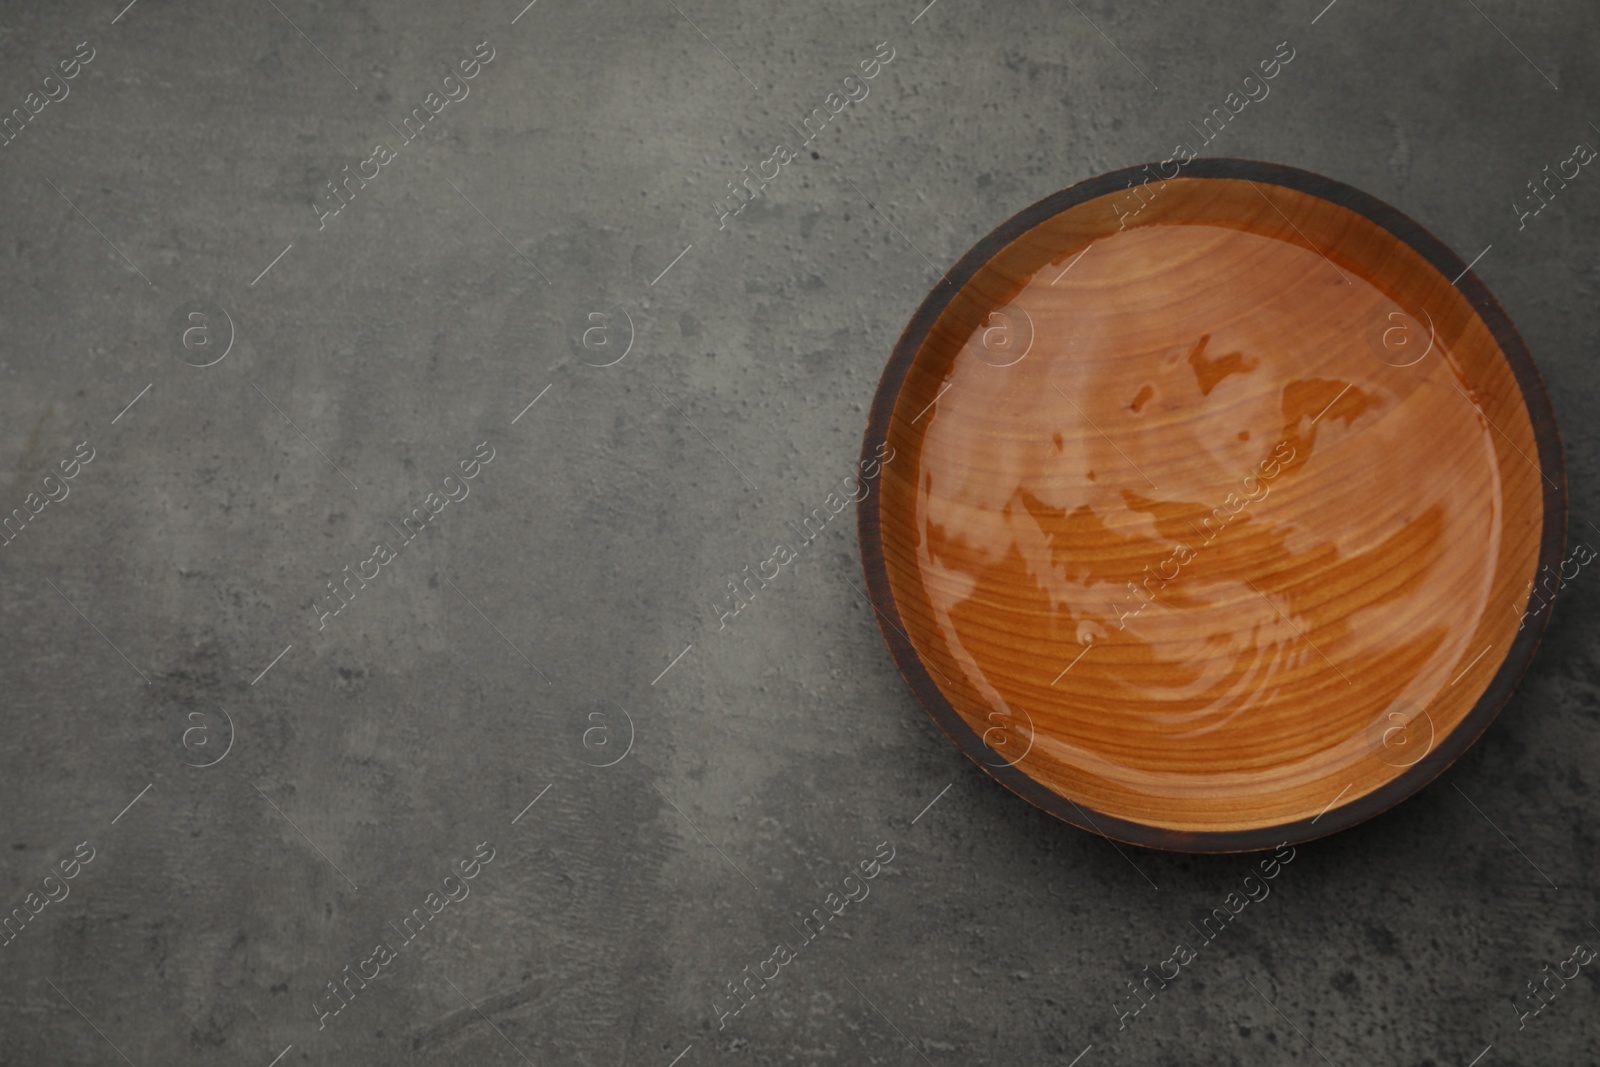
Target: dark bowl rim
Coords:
[[1446, 749]]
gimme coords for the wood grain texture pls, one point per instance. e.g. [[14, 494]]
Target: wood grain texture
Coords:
[[1211, 526]]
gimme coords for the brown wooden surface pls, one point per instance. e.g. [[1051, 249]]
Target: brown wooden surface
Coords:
[[1175, 534]]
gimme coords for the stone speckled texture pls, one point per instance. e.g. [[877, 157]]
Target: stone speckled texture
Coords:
[[779, 751]]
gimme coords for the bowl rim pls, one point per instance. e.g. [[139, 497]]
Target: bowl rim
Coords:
[[1448, 748]]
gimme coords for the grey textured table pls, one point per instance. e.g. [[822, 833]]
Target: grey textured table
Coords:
[[279, 788]]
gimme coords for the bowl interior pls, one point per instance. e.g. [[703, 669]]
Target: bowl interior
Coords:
[[1209, 506]]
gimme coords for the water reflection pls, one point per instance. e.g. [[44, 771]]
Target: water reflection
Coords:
[[1214, 511]]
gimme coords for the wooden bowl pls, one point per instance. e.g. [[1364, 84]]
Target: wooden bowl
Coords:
[[1210, 507]]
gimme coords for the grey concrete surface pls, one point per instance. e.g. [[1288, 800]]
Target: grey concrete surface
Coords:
[[519, 642]]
